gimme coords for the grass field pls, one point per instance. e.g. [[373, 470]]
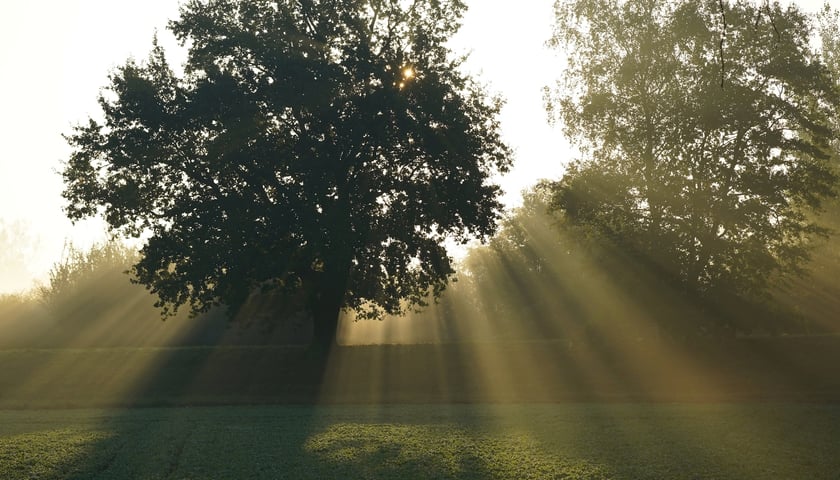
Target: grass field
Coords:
[[760, 409], [568, 441]]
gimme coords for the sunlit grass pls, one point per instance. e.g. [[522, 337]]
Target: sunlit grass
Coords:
[[441, 451], [607, 338], [573, 441], [50, 453]]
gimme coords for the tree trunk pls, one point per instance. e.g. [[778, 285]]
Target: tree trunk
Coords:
[[326, 303], [325, 322]]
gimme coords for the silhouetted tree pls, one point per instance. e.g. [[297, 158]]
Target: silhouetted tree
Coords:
[[322, 148], [705, 129]]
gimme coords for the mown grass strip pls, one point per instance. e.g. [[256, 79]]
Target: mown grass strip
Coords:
[[570, 441]]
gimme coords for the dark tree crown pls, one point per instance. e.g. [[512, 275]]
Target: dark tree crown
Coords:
[[322, 148]]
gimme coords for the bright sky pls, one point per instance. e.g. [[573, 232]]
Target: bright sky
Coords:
[[56, 55]]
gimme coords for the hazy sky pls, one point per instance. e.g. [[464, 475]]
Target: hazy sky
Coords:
[[56, 55]]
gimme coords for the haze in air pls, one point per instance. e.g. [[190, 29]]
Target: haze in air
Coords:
[[603, 246]]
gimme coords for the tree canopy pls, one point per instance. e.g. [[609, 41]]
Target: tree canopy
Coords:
[[322, 148], [706, 132]]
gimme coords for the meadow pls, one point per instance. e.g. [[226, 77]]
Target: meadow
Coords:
[[459, 411], [543, 441]]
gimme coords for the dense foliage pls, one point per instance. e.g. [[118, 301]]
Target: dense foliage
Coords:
[[322, 148], [706, 130], [88, 277]]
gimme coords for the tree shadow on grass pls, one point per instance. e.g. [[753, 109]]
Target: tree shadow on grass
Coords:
[[302, 442], [574, 441], [381, 441]]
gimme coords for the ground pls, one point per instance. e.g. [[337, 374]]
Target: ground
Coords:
[[569, 441], [752, 409]]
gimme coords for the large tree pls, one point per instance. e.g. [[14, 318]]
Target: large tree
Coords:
[[322, 148], [706, 131]]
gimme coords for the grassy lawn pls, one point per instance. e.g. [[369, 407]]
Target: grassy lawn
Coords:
[[569, 441], [474, 411]]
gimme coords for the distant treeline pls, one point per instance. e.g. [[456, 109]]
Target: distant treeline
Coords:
[[537, 279], [544, 278], [90, 301]]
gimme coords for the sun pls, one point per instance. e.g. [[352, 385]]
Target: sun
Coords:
[[408, 74]]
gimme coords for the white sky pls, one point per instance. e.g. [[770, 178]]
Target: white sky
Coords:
[[56, 55]]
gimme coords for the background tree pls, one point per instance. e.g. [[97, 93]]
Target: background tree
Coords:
[[17, 249], [705, 129], [815, 297], [510, 280], [88, 281], [322, 148]]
